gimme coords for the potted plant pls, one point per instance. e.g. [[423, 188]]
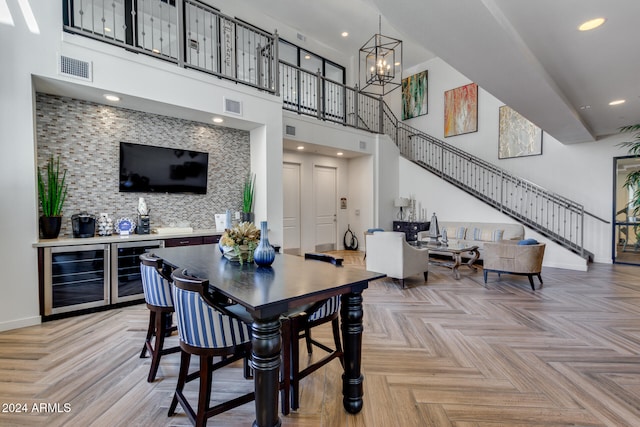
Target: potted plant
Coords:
[[247, 198], [52, 191], [633, 179], [239, 242]]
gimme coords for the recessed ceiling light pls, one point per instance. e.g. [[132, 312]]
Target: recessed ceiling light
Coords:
[[112, 98], [300, 147], [307, 56], [397, 64], [218, 120], [339, 153], [344, 34], [107, 29], [617, 102], [155, 51], [591, 24]]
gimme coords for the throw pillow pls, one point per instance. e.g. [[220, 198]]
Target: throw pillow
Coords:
[[487, 235], [454, 232], [528, 242]]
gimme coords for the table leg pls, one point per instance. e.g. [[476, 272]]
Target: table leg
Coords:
[[352, 379], [475, 255], [457, 260], [266, 342]]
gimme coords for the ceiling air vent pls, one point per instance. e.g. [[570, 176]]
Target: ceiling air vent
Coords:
[[232, 106], [363, 145], [290, 130], [301, 37], [75, 68]]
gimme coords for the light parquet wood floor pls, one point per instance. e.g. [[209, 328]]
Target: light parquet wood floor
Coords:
[[442, 353]]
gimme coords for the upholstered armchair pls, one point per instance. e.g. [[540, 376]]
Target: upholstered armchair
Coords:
[[388, 252], [507, 256]]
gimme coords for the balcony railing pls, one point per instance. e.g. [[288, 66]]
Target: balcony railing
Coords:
[[314, 95], [188, 33], [194, 35]]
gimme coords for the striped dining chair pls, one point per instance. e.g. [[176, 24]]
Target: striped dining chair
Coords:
[[207, 331], [298, 325], [157, 295]]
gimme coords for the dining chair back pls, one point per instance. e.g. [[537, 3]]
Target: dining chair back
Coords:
[[206, 331], [298, 325], [157, 295]]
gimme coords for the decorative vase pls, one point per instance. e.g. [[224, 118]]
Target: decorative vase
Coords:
[[105, 225], [264, 253], [142, 206], [50, 226]]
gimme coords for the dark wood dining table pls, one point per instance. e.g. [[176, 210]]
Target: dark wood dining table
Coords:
[[269, 292]]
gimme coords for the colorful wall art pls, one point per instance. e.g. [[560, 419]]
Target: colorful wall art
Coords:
[[461, 110], [518, 137], [414, 95]]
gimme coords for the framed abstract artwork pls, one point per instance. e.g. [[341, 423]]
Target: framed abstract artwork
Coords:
[[414, 95], [461, 110], [518, 137]]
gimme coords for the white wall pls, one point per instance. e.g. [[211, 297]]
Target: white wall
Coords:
[[24, 55], [581, 172], [361, 196], [387, 184]]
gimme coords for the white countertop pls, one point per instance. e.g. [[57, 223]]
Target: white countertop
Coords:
[[115, 238]]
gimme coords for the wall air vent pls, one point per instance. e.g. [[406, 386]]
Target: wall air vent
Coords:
[[74, 68], [290, 130], [232, 106]]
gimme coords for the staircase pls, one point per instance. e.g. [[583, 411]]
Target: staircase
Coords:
[[556, 217]]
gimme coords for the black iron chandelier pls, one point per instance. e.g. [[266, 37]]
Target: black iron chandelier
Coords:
[[380, 66]]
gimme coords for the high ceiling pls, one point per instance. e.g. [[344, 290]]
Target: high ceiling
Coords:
[[527, 53]]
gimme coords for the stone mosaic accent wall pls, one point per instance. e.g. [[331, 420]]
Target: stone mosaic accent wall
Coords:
[[87, 138]]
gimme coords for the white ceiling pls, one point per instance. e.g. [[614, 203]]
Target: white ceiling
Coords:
[[527, 53]]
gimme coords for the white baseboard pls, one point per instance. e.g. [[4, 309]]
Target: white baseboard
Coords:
[[566, 266], [20, 323]]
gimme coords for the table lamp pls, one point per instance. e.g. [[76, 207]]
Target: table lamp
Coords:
[[401, 202]]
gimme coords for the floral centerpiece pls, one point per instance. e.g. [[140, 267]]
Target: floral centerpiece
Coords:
[[239, 242]]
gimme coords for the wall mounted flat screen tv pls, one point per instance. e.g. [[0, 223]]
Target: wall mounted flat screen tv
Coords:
[[151, 169]]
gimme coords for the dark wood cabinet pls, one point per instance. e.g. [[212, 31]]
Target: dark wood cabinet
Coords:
[[183, 241], [190, 241], [410, 228], [207, 240]]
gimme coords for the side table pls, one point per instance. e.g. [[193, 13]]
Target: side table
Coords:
[[411, 228]]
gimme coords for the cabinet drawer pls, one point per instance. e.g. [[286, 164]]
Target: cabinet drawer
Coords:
[[183, 241], [207, 240]]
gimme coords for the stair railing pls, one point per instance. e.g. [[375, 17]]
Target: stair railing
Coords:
[[552, 215]]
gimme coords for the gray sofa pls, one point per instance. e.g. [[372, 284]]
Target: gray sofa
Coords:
[[476, 233]]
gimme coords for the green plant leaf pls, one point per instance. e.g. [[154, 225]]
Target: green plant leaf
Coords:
[[52, 188], [248, 192]]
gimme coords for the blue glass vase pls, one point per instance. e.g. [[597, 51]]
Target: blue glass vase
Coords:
[[264, 253]]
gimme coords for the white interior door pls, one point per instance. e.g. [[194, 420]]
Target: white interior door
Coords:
[[325, 192], [291, 211]]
